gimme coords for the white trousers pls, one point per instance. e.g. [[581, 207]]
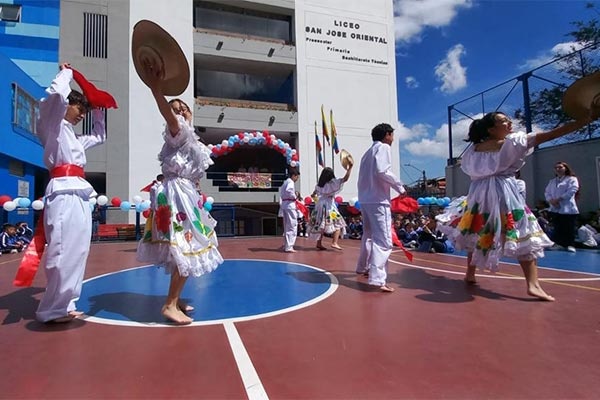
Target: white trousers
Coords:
[[68, 228], [290, 228], [376, 243]]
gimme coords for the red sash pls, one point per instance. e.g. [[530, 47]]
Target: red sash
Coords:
[[398, 243], [35, 250]]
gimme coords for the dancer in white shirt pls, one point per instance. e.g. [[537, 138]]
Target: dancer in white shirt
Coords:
[[375, 179], [287, 210], [67, 215]]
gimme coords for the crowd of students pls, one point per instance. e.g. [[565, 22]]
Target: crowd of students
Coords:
[[15, 238]]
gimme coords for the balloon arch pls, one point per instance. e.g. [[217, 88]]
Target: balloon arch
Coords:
[[252, 139]]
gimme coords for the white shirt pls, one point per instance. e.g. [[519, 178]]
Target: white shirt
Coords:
[[287, 195], [61, 145], [564, 189], [375, 177]]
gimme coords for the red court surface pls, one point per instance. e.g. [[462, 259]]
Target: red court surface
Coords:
[[432, 338]]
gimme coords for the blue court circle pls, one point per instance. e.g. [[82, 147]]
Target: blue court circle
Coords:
[[237, 290]]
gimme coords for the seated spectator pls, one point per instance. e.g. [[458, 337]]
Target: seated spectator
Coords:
[[9, 241], [24, 232], [432, 240], [408, 236], [587, 236], [242, 168], [355, 228]]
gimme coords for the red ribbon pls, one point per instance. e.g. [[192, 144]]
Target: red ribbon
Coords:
[[33, 255], [398, 243]]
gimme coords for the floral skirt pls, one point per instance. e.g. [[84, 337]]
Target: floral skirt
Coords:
[[180, 232], [506, 228], [325, 221]]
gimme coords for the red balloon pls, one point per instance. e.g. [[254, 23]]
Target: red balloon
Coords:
[[307, 200], [115, 201], [146, 213], [339, 199], [4, 199], [353, 210]]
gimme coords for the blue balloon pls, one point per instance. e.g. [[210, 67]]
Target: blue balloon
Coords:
[[24, 202], [207, 206], [420, 201], [357, 205], [440, 202], [139, 207], [125, 206]]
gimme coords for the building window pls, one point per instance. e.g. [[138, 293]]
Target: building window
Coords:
[[25, 109], [10, 12], [87, 123], [242, 21], [95, 35], [16, 168]]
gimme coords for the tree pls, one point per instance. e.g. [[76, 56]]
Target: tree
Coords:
[[546, 104]]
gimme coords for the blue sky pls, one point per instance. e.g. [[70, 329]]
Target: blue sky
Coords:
[[448, 50]]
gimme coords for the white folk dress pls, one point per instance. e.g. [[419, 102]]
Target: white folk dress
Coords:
[[493, 220], [180, 233], [326, 217]]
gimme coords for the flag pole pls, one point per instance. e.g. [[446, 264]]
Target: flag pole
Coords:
[[317, 152], [333, 139]]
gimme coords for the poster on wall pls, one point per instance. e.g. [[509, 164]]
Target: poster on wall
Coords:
[[347, 40]]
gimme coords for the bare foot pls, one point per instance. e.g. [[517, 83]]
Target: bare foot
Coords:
[[386, 289], [290, 251], [321, 247], [336, 246], [175, 315], [184, 307], [75, 314], [537, 291]]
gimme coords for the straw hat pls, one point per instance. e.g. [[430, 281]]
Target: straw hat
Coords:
[[152, 44], [582, 95], [346, 159]]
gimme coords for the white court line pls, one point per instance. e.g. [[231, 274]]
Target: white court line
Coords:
[[495, 276], [252, 384], [334, 284]]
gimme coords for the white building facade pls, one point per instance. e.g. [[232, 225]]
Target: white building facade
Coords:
[[255, 66]]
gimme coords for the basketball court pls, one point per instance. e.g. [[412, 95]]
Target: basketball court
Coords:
[[276, 325]]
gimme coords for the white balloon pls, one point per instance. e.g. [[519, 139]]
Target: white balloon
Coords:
[[102, 200], [93, 201], [210, 200], [137, 199], [353, 201], [10, 205], [37, 205], [293, 164]]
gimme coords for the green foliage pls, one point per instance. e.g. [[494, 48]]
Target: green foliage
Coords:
[[546, 104]]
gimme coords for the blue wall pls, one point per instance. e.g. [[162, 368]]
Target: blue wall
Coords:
[[32, 43], [16, 143]]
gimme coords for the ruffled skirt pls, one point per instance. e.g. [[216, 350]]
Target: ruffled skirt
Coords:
[[325, 220], [493, 221], [180, 232]]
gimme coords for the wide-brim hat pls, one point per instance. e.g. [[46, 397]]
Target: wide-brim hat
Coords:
[[582, 95], [151, 43], [346, 159]]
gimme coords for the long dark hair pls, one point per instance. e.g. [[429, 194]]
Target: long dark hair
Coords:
[[478, 130], [569, 172], [326, 176]]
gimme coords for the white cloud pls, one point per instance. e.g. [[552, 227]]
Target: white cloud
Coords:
[[411, 17], [544, 57], [411, 82], [450, 71], [404, 133], [437, 146]]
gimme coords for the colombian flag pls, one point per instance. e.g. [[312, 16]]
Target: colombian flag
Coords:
[[324, 126], [334, 140], [318, 147]]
